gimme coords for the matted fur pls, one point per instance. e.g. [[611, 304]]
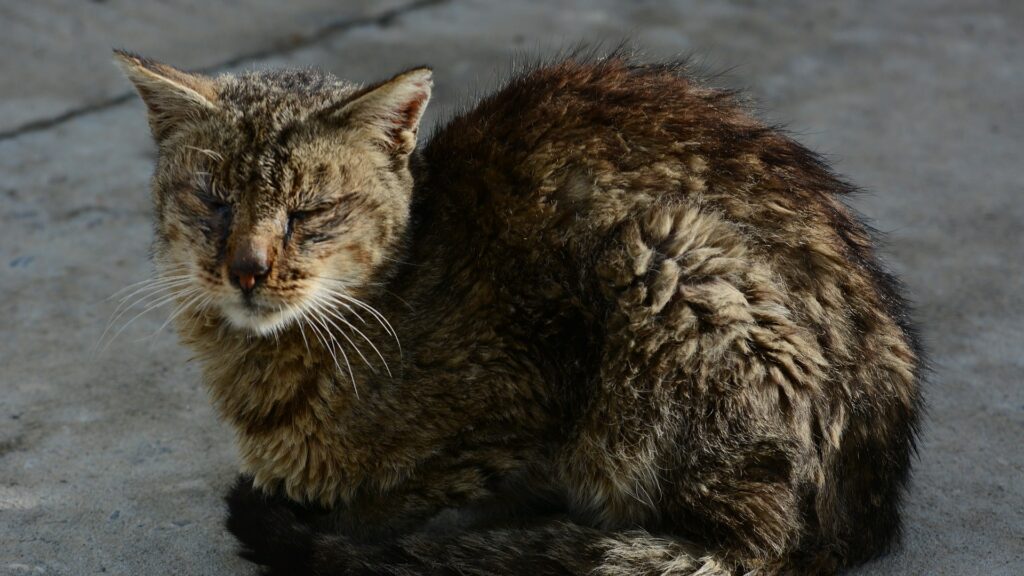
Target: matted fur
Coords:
[[640, 332]]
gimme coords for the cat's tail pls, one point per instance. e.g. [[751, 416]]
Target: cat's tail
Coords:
[[272, 533]]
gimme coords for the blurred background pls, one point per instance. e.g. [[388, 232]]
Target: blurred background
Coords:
[[114, 462]]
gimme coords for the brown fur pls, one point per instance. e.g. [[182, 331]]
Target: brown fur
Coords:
[[636, 330]]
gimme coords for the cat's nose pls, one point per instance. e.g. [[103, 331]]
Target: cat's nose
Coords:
[[249, 267]]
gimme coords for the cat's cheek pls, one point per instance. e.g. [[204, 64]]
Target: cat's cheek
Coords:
[[361, 256], [172, 246], [351, 264]]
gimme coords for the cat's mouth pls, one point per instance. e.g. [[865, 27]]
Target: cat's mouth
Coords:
[[256, 315]]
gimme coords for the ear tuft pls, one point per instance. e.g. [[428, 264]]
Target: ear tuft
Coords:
[[393, 109], [171, 95]]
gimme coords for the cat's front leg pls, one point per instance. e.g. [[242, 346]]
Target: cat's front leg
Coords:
[[446, 495], [272, 529], [282, 535]]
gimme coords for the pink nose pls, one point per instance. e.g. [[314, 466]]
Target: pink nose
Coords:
[[249, 267], [245, 281]]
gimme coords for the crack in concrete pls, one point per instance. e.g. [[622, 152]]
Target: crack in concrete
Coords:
[[383, 19]]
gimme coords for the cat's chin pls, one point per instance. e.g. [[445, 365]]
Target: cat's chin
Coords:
[[261, 321]]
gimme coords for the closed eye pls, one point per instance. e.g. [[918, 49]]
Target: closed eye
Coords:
[[218, 206], [213, 201], [206, 192], [296, 217], [311, 211]]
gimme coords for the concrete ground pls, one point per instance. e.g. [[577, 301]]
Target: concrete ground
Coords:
[[114, 462]]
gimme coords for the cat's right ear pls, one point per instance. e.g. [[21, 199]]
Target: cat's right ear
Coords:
[[171, 95], [391, 111]]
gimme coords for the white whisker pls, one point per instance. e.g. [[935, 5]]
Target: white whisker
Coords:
[[324, 320], [376, 314], [327, 341], [152, 284], [327, 314], [143, 300], [333, 296], [163, 276], [199, 308], [300, 321], [342, 299], [161, 302], [177, 311], [341, 318]]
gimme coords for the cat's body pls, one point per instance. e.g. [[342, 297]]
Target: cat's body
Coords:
[[640, 333]]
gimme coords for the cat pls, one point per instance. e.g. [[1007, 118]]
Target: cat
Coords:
[[604, 322]]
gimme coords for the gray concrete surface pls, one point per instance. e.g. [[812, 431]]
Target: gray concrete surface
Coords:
[[114, 463]]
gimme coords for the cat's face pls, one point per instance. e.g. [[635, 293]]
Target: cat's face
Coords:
[[277, 193]]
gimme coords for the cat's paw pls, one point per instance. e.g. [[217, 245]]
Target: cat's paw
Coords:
[[269, 530]]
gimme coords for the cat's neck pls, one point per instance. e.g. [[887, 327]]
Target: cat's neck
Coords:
[[290, 396]]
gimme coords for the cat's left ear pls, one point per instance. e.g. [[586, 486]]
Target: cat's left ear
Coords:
[[392, 110], [171, 95]]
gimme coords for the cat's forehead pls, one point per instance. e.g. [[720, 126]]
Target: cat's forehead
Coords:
[[251, 145], [279, 97]]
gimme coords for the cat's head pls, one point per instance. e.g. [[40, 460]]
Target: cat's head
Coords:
[[277, 191]]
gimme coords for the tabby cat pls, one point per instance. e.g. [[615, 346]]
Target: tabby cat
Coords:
[[605, 322]]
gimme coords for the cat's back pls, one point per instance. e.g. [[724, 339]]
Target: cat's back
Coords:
[[603, 115], [597, 140], [583, 133]]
